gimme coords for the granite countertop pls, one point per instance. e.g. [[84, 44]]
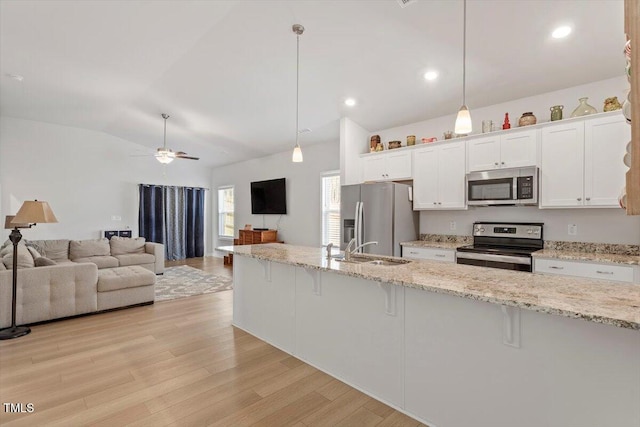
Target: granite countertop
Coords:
[[431, 244], [588, 256], [597, 301]]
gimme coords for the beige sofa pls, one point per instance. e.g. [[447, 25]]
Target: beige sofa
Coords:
[[64, 278]]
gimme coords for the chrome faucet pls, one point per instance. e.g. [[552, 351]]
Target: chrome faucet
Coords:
[[329, 246], [348, 251]]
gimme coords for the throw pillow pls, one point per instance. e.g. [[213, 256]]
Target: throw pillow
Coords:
[[43, 261], [25, 260], [34, 252], [88, 248], [127, 245], [57, 250]]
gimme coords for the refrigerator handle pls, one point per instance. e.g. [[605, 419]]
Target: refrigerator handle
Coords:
[[361, 225], [356, 234]]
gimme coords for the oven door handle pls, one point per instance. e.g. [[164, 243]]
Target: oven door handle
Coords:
[[492, 257]]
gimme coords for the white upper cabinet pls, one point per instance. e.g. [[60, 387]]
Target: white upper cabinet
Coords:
[[605, 141], [581, 163], [439, 177], [387, 166], [515, 149]]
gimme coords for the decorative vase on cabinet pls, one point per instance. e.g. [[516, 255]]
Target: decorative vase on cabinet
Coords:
[[583, 109]]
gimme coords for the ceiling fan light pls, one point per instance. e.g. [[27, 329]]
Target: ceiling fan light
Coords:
[[463, 121], [165, 157], [297, 155]]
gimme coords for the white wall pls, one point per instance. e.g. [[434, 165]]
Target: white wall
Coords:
[[539, 105], [86, 176], [351, 136], [594, 225], [302, 223]]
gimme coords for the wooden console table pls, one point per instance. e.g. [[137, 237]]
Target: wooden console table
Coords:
[[252, 237]]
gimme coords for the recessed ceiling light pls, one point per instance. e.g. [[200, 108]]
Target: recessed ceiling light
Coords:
[[350, 102], [561, 32], [431, 75]]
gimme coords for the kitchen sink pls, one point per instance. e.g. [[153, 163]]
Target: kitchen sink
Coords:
[[358, 259]]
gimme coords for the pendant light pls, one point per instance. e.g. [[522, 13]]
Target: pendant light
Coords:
[[297, 151], [165, 156], [463, 120]]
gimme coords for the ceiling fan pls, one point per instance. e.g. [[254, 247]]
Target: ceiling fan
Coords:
[[166, 155]]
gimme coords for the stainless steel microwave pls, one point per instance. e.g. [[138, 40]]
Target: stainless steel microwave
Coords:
[[514, 186]]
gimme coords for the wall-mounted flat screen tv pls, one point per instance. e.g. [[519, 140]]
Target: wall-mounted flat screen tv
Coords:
[[269, 197]]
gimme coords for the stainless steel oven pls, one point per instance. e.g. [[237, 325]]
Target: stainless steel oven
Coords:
[[515, 186], [502, 245]]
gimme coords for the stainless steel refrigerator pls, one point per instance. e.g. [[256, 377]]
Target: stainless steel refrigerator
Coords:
[[381, 212]]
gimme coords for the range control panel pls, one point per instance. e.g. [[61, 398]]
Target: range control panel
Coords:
[[518, 230]]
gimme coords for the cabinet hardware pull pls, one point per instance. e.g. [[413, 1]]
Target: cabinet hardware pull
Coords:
[[555, 267], [413, 252], [604, 272], [588, 198], [496, 163], [435, 203], [439, 203], [440, 255], [579, 199], [503, 163]]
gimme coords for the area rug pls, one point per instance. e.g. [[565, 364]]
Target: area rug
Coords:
[[185, 281]]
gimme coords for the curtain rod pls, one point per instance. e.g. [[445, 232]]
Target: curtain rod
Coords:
[[175, 186]]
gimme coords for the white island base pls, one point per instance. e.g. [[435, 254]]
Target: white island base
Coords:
[[445, 360]]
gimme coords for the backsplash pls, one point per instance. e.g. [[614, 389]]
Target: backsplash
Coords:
[[446, 238], [598, 248]]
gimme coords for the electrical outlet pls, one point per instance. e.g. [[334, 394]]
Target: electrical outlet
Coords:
[[452, 225], [572, 229], [116, 218]]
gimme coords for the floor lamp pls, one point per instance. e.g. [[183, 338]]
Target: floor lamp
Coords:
[[30, 214]]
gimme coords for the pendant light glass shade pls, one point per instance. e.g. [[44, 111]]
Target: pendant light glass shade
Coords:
[[297, 155], [463, 124], [463, 121], [297, 151]]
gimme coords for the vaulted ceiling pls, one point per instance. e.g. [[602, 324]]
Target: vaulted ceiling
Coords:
[[225, 70]]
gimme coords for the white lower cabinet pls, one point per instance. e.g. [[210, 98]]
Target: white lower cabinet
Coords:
[[435, 254], [352, 328], [265, 304], [591, 270], [444, 360], [556, 372]]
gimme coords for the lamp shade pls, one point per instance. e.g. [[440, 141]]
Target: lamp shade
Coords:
[[297, 154], [34, 212], [463, 121], [8, 224]]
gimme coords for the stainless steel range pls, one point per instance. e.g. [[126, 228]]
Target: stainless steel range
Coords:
[[502, 245]]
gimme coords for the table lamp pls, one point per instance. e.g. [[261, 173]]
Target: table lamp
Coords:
[[29, 214]]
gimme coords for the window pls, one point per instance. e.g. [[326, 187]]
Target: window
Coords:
[[225, 212], [331, 209]]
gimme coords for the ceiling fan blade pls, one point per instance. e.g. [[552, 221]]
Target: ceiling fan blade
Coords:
[[183, 155]]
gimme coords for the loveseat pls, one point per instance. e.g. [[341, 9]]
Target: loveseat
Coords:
[[64, 278]]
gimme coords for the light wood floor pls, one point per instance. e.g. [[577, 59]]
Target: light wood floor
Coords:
[[177, 363]]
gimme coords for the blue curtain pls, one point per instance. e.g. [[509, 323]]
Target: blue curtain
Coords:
[[173, 216], [194, 222], [151, 213]]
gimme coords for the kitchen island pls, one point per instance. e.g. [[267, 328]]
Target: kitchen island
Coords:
[[451, 345]]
